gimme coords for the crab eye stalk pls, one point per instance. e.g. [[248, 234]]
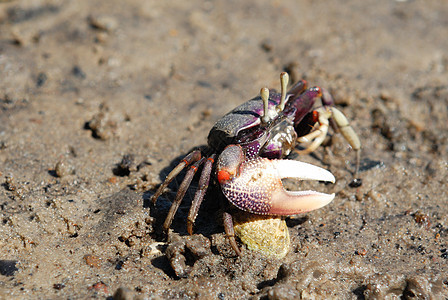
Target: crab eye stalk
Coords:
[[284, 79], [264, 93]]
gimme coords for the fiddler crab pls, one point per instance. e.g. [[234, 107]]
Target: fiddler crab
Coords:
[[244, 154]]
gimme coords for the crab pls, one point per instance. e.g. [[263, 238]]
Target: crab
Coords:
[[246, 150]]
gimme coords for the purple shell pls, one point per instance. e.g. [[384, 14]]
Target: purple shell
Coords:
[[245, 116]]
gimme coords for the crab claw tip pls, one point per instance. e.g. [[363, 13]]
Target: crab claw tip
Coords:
[[290, 203], [300, 170]]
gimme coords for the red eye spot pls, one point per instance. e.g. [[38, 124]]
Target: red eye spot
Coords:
[[223, 175], [315, 116]]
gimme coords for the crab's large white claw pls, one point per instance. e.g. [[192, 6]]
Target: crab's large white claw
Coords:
[[255, 185], [284, 202]]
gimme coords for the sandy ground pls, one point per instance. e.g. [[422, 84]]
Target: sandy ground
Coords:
[[99, 100]]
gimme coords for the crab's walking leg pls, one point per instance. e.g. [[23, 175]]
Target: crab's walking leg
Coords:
[[315, 138], [200, 193], [192, 157], [180, 193], [230, 233]]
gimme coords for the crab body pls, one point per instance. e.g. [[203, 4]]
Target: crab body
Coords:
[[244, 126], [250, 143]]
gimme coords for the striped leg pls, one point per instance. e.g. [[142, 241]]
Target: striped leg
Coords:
[[181, 193], [192, 157], [200, 193]]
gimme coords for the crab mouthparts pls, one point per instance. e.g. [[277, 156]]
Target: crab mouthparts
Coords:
[[258, 187]]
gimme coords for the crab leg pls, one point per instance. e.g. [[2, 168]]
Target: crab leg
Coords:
[[181, 193], [192, 157], [230, 233], [318, 136], [255, 185], [200, 192]]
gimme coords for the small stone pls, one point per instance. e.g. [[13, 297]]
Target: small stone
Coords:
[[63, 168], [361, 252], [78, 72], [92, 260], [101, 124], [58, 286], [283, 292], [385, 96], [356, 182], [106, 23], [100, 287], [10, 183], [113, 180], [422, 219], [41, 79]]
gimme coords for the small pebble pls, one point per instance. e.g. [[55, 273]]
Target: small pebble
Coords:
[[92, 260], [78, 72], [41, 79], [10, 183], [100, 287], [356, 182], [422, 219], [101, 125], [361, 252], [113, 180], [283, 292], [106, 23], [58, 286], [63, 168]]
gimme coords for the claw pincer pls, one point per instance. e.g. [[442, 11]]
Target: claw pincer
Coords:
[[255, 185]]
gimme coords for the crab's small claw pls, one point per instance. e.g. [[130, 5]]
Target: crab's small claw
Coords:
[[255, 185]]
